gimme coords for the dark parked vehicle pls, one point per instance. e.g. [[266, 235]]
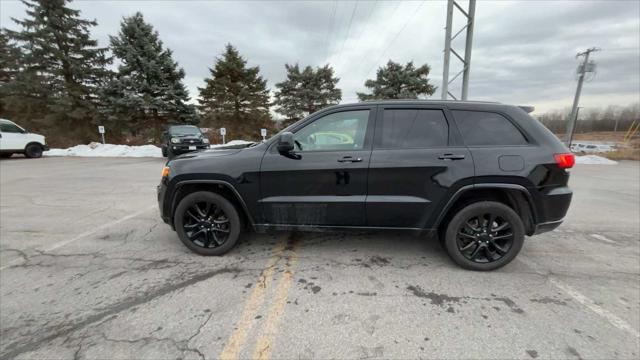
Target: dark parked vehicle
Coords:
[[180, 139], [479, 175]]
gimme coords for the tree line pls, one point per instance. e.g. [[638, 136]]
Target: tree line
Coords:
[[56, 80], [610, 118]]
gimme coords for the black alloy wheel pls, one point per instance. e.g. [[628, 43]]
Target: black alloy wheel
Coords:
[[484, 235], [485, 238], [207, 223]]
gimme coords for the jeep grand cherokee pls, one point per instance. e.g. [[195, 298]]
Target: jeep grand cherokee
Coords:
[[479, 175]]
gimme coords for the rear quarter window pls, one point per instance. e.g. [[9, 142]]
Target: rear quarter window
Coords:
[[481, 128]]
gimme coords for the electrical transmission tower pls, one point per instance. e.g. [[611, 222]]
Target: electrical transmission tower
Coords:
[[466, 59], [583, 69]]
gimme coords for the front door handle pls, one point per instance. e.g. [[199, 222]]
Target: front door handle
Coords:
[[451, 157], [349, 159]]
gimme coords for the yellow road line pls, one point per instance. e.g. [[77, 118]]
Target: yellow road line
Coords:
[[270, 326], [242, 328]]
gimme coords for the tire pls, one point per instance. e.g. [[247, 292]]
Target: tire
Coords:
[[164, 151], [222, 215], [33, 151], [6, 155], [469, 233]]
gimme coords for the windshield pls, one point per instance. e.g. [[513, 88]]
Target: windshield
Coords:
[[184, 130]]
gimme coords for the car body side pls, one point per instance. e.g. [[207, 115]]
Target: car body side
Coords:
[[17, 142], [525, 177]]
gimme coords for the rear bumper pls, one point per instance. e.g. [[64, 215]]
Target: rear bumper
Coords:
[[546, 227], [553, 206]]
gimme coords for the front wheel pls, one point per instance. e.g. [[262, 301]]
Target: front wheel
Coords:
[[33, 151], [207, 223], [484, 236]]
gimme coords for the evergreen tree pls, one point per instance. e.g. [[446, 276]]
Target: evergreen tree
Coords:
[[61, 68], [395, 81], [235, 96], [305, 92], [147, 90]]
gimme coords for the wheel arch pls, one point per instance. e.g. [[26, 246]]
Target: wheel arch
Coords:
[[221, 187], [515, 196], [33, 143]]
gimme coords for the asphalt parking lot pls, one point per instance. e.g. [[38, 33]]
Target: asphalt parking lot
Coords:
[[88, 270]]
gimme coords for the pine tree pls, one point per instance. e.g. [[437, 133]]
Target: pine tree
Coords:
[[305, 92], [395, 81], [147, 88], [235, 96], [62, 68]]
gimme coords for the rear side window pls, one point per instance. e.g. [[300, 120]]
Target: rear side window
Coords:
[[486, 128], [412, 128]]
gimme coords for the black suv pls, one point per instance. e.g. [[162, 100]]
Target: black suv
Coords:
[[479, 175], [180, 139]]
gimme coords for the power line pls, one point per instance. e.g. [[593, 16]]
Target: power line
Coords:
[[394, 39], [346, 37], [364, 28], [330, 29]]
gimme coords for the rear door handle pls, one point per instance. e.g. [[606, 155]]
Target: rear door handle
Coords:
[[349, 159], [451, 157]]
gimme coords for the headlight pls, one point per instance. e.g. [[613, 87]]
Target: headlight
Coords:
[[205, 140], [175, 140]]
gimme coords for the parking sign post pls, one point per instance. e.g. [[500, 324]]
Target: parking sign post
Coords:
[[263, 133], [101, 131], [223, 132]]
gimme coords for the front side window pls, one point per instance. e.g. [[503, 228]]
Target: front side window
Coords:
[[487, 129], [412, 128], [10, 128], [338, 131]]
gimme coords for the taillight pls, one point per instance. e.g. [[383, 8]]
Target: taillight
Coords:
[[565, 161]]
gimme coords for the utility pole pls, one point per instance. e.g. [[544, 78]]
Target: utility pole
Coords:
[[466, 60], [582, 70]]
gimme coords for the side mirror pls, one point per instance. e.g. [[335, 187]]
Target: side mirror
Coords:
[[285, 143]]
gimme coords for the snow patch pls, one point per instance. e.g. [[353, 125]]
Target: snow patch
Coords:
[[107, 150], [594, 160], [95, 149]]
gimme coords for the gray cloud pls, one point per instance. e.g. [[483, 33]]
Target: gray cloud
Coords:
[[524, 51]]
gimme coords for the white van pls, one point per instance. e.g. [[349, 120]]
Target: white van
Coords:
[[16, 140]]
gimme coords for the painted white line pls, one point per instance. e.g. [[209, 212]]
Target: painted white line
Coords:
[[83, 235], [602, 238], [613, 319], [588, 303]]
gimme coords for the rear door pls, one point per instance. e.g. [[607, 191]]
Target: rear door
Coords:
[[417, 157], [324, 181]]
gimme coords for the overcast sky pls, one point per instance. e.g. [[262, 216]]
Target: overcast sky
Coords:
[[523, 51]]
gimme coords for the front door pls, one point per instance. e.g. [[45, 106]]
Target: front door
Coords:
[[417, 158], [324, 181]]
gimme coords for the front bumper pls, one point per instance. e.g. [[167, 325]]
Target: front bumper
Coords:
[[162, 190], [45, 148], [546, 227], [181, 149]]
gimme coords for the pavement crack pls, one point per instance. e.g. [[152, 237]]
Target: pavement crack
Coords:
[[56, 331]]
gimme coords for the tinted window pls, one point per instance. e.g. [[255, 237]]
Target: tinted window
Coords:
[[9, 128], [485, 128], [412, 128], [338, 131]]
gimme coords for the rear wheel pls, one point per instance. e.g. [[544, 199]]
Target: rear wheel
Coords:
[[207, 223], [33, 151], [484, 236]]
